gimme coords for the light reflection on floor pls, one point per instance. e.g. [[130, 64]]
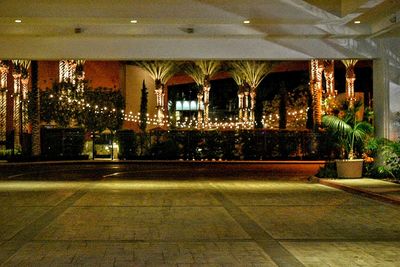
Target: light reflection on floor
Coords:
[[192, 222]]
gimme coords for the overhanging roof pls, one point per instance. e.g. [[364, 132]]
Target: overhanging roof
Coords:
[[191, 29]]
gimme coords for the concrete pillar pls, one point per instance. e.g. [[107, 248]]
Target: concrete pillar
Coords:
[[381, 94]]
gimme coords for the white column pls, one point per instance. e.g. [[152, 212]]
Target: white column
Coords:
[[381, 94]]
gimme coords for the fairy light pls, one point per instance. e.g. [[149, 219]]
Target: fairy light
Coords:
[[295, 119], [189, 123]]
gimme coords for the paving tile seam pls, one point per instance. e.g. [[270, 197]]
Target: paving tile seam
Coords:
[[312, 205], [356, 240], [144, 206], [279, 254], [236, 240], [25, 235], [30, 206]]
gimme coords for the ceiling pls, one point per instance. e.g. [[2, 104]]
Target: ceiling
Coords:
[[191, 29]]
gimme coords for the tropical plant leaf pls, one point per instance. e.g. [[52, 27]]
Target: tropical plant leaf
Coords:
[[253, 71], [362, 130], [195, 73], [339, 126], [159, 70], [237, 74], [208, 67], [348, 131]]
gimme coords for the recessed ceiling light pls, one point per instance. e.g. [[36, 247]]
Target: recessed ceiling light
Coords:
[[246, 21], [17, 21], [134, 21], [357, 22]]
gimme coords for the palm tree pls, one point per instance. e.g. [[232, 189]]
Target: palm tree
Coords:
[[329, 73], [17, 104], [348, 129], [3, 103], [25, 64], [253, 72], [160, 72], [197, 75], [208, 68], [21, 77], [350, 78], [243, 93], [80, 75], [36, 113]]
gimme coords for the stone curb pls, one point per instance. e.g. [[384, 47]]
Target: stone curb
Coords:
[[358, 191], [95, 162]]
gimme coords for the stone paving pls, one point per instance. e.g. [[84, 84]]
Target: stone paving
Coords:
[[193, 223], [380, 189]]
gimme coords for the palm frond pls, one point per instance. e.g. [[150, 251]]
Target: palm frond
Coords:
[[80, 61], [208, 67], [362, 130], [253, 71], [239, 80], [3, 64], [339, 126], [348, 132], [20, 63], [22, 66], [237, 74], [159, 70], [195, 73], [25, 64], [349, 62]]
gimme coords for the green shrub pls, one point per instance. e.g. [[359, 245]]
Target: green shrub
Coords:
[[328, 170], [388, 164], [128, 144], [164, 150]]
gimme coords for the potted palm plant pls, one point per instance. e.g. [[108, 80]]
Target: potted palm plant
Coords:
[[351, 134]]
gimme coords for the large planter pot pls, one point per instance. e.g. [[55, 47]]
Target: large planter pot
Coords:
[[349, 168]]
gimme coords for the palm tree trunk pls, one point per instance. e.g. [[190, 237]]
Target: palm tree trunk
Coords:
[[240, 105], [36, 147], [159, 99], [17, 112], [199, 111], [329, 73], [3, 115], [316, 70], [252, 106], [24, 105], [246, 107], [3, 106], [206, 92], [350, 78]]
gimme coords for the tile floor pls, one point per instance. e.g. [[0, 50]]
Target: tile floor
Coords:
[[193, 223]]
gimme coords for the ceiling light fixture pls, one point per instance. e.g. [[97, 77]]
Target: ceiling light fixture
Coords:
[[357, 22], [134, 21], [17, 21], [246, 21]]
